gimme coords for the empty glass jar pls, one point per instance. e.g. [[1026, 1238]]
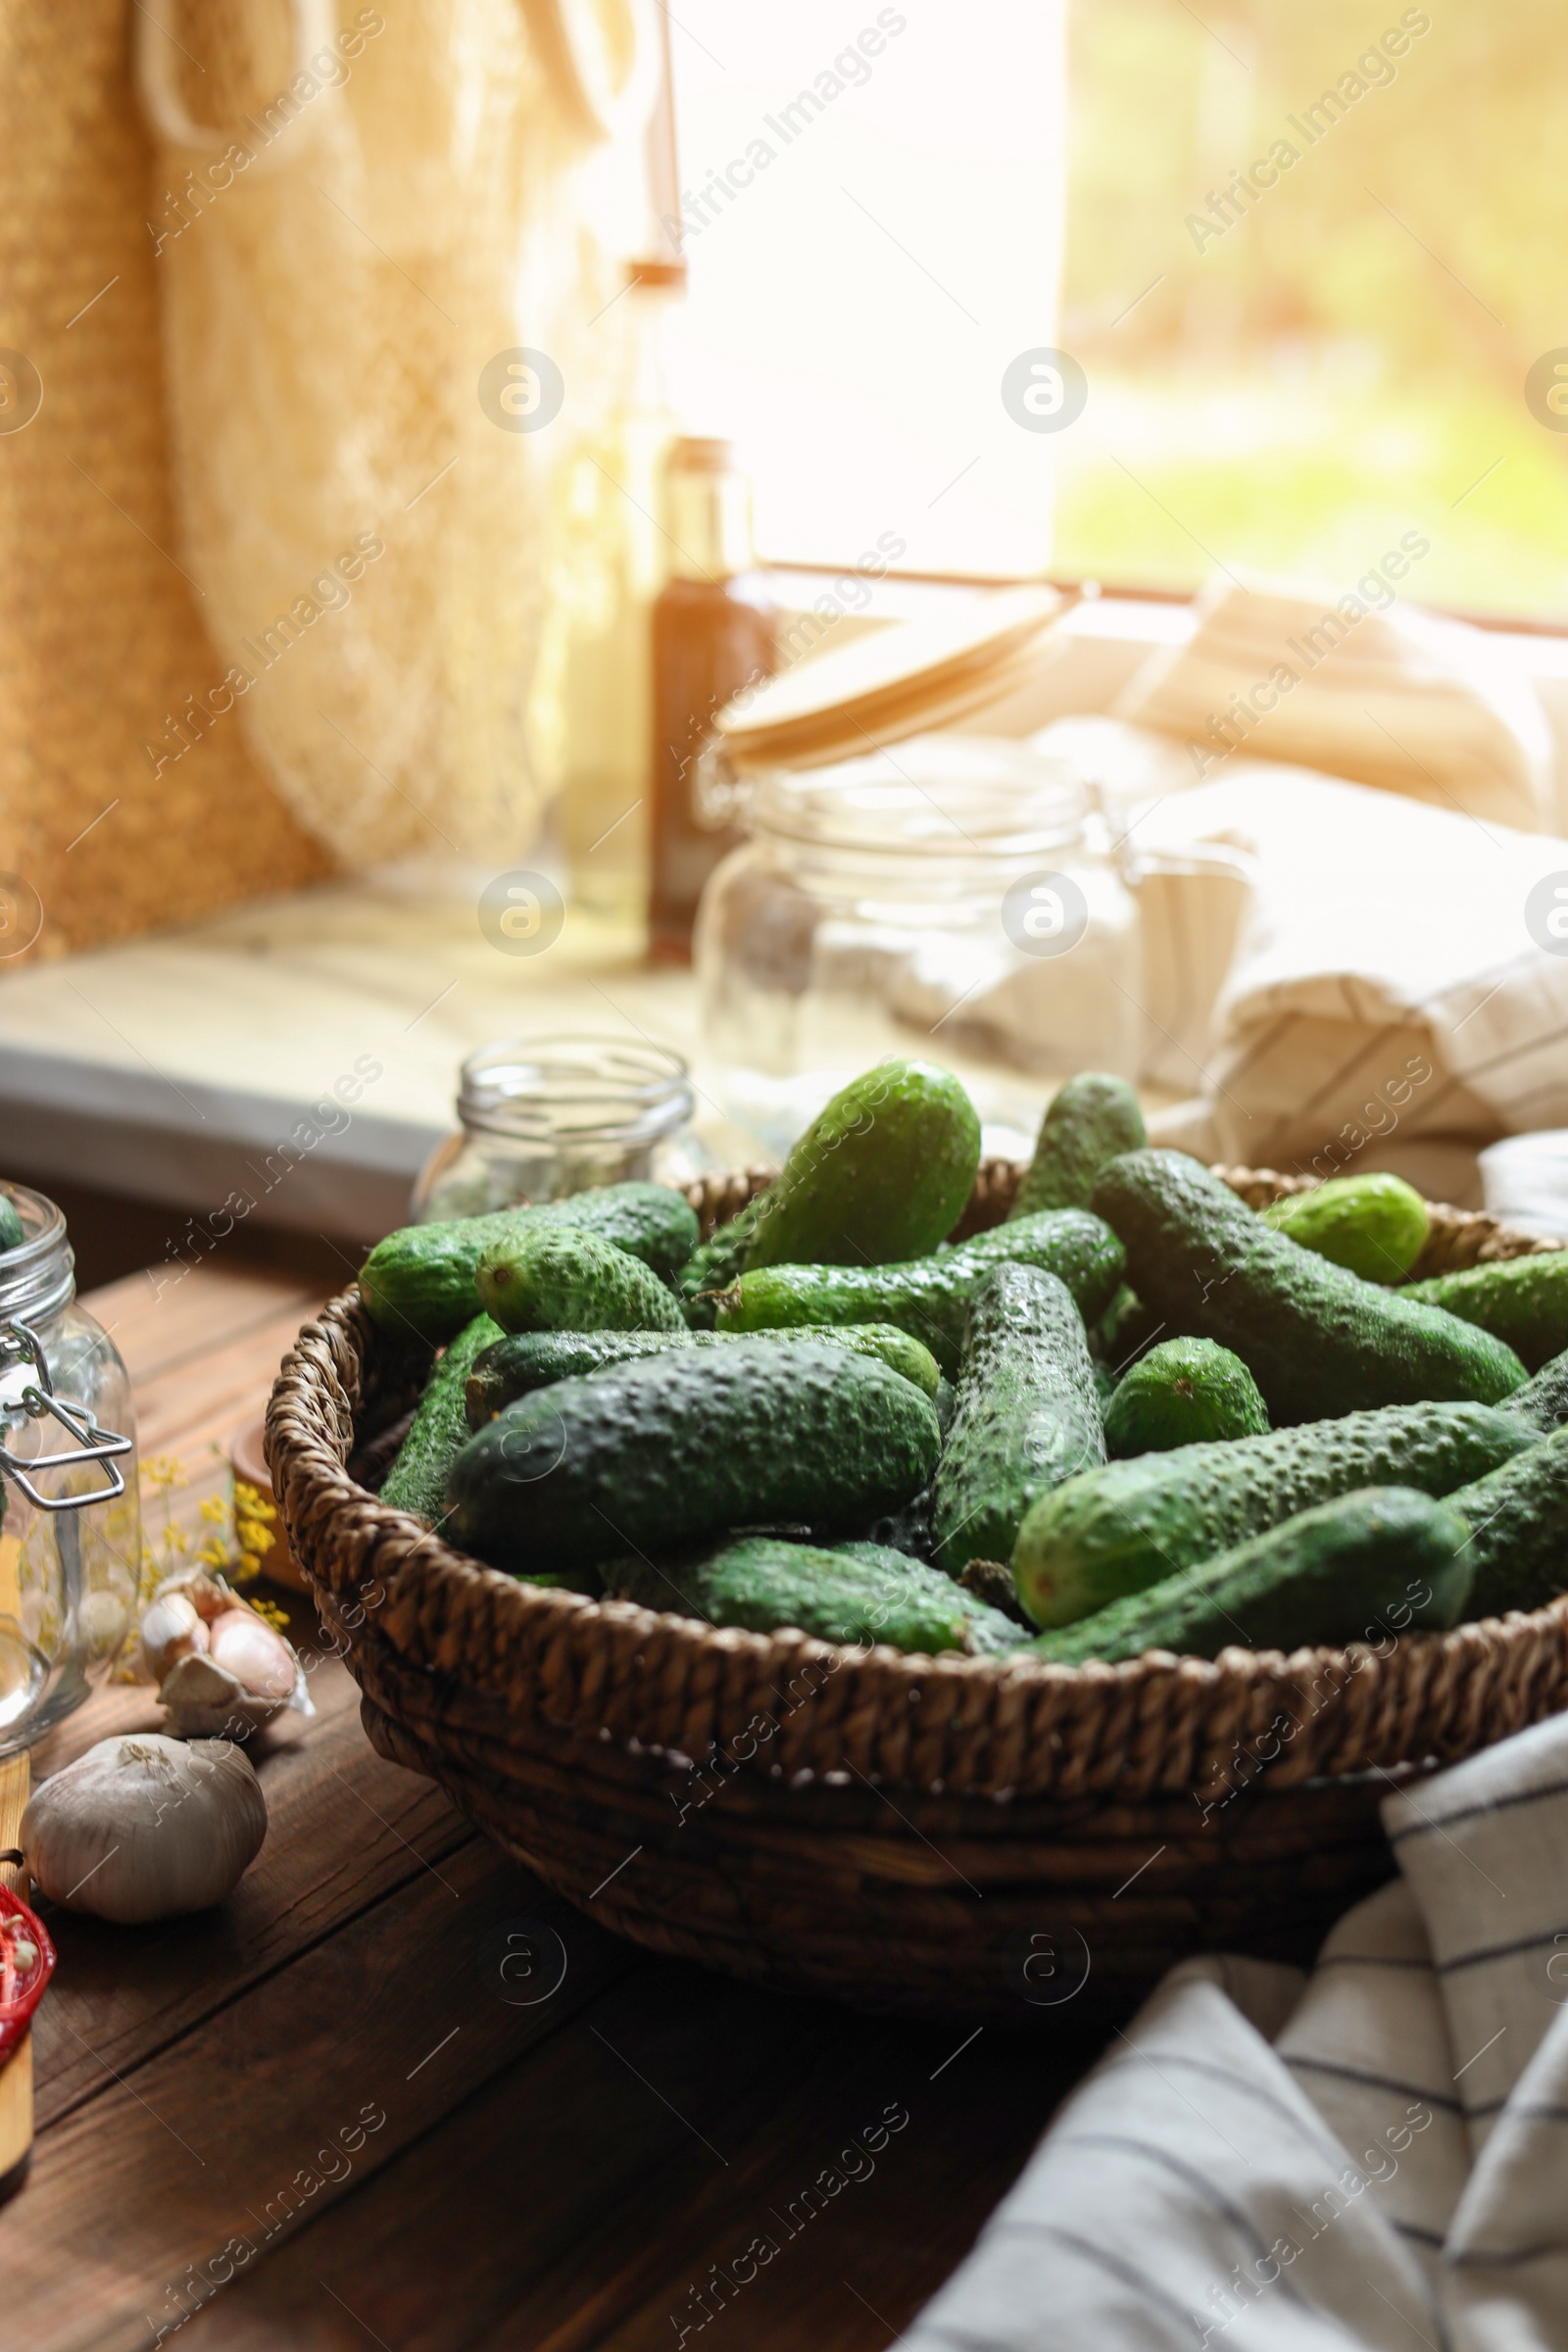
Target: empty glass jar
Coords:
[[70, 1540], [949, 895], [554, 1115]]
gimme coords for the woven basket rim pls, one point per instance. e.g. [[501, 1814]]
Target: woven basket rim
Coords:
[[672, 1682]]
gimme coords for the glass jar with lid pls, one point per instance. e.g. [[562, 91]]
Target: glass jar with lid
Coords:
[[70, 1538], [949, 896], [546, 1116]]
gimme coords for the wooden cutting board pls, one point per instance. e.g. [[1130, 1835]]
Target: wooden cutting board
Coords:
[[15, 2077]]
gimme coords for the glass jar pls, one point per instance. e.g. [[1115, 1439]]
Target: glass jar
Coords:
[[558, 1114], [954, 897], [71, 1541]]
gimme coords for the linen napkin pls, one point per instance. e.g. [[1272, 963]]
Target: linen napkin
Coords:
[[1356, 683], [1371, 2158]]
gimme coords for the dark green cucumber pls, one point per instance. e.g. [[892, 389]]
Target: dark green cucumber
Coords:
[[1121, 1529], [1093, 1118], [1521, 1300], [677, 1448], [1316, 1338], [930, 1296], [1183, 1392], [1027, 1415], [1374, 1224], [1543, 1401], [1519, 1520], [525, 1360], [715, 1263], [13, 1233], [419, 1282], [882, 1173], [1342, 1572], [417, 1479], [553, 1278], [862, 1593]]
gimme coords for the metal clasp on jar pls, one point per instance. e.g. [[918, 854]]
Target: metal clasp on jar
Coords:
[[19, 1345]]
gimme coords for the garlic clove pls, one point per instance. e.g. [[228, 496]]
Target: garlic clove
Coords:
[[206, 1700], [144, 1827], [253, 1653], [172, 1628]]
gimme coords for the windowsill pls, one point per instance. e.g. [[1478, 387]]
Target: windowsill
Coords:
[[173, 1068]]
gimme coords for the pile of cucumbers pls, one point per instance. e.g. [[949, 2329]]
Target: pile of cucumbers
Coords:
[[1137, 1415]]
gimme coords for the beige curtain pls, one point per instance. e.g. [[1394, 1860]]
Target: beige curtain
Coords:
[[362, 216]]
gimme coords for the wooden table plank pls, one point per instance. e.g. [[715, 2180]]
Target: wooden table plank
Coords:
[[227, 2137], [344, 1830], [162, 1319]]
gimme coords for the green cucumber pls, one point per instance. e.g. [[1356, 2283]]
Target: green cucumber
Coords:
[[1027, 1415], [526, 1360], [417, 1479], [930, 1296], [862, 1593], [1095, 1118], [1183, 1392], [1125, 1331], [1519, 1517], [1317, 1338], [1327, 1575], [1376, 1224], [1121, 1529], [552, 1278], [13, 1233], [1521, 1300], [420, 1280], [715, 1263], [882, 1173], [1543, 1401], [678, 1449]]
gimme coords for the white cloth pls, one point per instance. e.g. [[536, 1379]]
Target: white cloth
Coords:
[[1361, 2162]]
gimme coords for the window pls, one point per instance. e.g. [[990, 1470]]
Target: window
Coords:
[[1311, 267]]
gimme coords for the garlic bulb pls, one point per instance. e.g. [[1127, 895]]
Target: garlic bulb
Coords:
[[220, 1669], [144, 1827]]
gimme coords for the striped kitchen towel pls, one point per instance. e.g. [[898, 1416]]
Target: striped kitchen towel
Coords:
[[1373, 2157]]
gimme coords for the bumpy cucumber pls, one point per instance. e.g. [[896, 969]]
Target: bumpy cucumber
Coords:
[[551, 1278], [715, 1263], [930, 1296], [1183, 1392], [1121, 1529], [861, 1593], [677, 1449], [882, 1173], [1521, 1300], [13, 1233], [526, 1360], [1093, 1118], [1317, 1338], [420, 1280], [1337, 1573], [418, 1480], [1519, 1517], [1376, 1224], [1027, 1417], [1543, 1401]]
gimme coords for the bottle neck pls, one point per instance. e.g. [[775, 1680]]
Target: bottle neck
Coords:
[[710, 524]]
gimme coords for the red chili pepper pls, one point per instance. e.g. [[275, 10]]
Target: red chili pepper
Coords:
[[21, 1988]]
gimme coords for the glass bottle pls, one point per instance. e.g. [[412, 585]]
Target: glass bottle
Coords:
[[714, 631], [590, 708], [553, 1115], [70, 1540]]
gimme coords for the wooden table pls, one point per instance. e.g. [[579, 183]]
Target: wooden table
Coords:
[[331, 2097]]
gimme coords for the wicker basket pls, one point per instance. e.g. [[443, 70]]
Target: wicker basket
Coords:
[[976, 1838]]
